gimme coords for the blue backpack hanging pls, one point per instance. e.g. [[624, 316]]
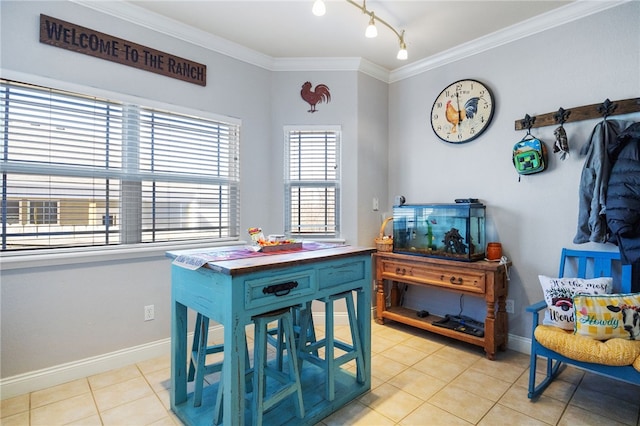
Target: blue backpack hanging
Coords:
[[529, 155]]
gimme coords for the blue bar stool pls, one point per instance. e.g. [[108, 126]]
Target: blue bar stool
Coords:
[[290, 382], [198, 368], [330, 363], [302, 320]]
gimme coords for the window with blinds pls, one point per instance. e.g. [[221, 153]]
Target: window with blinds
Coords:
[[81, 171], [312, 182]]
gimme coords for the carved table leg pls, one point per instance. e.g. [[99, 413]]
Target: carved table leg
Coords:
[[501, 320], [489, 330], [380, 301]]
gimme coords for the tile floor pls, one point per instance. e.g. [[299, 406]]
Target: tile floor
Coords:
[[418, 378]]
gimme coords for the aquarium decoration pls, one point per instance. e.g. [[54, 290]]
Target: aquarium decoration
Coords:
[[448, 231]]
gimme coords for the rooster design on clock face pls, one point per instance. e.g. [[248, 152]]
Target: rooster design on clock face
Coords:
[[462, 111], [455, 117]]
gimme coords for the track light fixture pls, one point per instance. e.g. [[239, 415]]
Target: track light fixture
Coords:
[[402, 53], [371, 31], [320, 9]]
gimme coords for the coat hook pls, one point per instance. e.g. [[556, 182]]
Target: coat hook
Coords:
[[528, 122], [607, 108], [562, 115]]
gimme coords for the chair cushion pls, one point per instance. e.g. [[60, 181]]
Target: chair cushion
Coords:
[[616, 351], [559, 293], [605, 316]]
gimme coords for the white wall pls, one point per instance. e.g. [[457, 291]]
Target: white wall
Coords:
[[52, 314], [73, 309], [70, 311], [374, 141], [580, 63]]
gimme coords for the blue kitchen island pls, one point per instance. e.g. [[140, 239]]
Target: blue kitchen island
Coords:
[[230, 285]]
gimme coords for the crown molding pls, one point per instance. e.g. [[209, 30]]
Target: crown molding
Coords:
[[144, 18], [560, 16], [136, 15]]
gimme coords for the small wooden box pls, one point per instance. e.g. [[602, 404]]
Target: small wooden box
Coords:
[[281, 247]]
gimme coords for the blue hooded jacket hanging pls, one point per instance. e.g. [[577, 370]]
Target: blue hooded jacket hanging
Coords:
[[592, 221], [623, 194]]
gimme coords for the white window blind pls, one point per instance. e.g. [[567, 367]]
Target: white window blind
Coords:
[[312, 182], [82, 171]]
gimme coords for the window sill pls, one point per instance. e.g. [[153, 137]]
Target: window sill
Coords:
[[56, 257]]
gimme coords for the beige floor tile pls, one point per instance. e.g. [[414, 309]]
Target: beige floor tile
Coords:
[[385, 368], [64, 411], [523, 380], [560, 390], [440, 367], [165, 421], [87, 421], [355, 414], [155, 364], [175, 418], [545, 408], [466, 355], [616, 389], [482, 384], [59, 393], [426, 345], [557, 389], [375, 382], [427, 414], [571, 374], [513, 357], [503, 370], [379, 345], [343, 333], [114, 376], [577, 416], [458, 401], [600, 401], [567, 373], [418, 378], [404, 354], [20, 419], [121, 393], [142, 411], [391, 402], [393, 332], [165, 398], [15, 405], [159, 380], [501, 415], [417, 383]]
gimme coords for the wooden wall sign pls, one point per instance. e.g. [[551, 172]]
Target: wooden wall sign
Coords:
[[65, 35]]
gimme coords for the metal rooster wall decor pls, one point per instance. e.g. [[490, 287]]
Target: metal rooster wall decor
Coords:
[[315, 96]]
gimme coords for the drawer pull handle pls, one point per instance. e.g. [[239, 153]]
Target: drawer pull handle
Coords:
[[402, 271], [453, 280], [280, 289]]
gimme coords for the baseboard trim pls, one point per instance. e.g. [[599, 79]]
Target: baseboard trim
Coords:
[[63, 373], [519, 344], [59, 374]]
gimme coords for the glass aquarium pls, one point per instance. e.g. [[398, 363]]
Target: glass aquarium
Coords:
[[448, 231]]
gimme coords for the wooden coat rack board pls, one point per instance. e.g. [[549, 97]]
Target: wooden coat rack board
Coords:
[[587, 112]]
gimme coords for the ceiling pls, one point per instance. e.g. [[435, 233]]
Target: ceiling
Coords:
[[288, 29]]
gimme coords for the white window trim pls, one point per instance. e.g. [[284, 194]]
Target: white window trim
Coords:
[[328, 128], [62, 256]]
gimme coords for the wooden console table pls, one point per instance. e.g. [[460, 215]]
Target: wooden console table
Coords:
[[479, 279]]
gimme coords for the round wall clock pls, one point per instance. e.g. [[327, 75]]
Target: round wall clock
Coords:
[[462, 111]]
